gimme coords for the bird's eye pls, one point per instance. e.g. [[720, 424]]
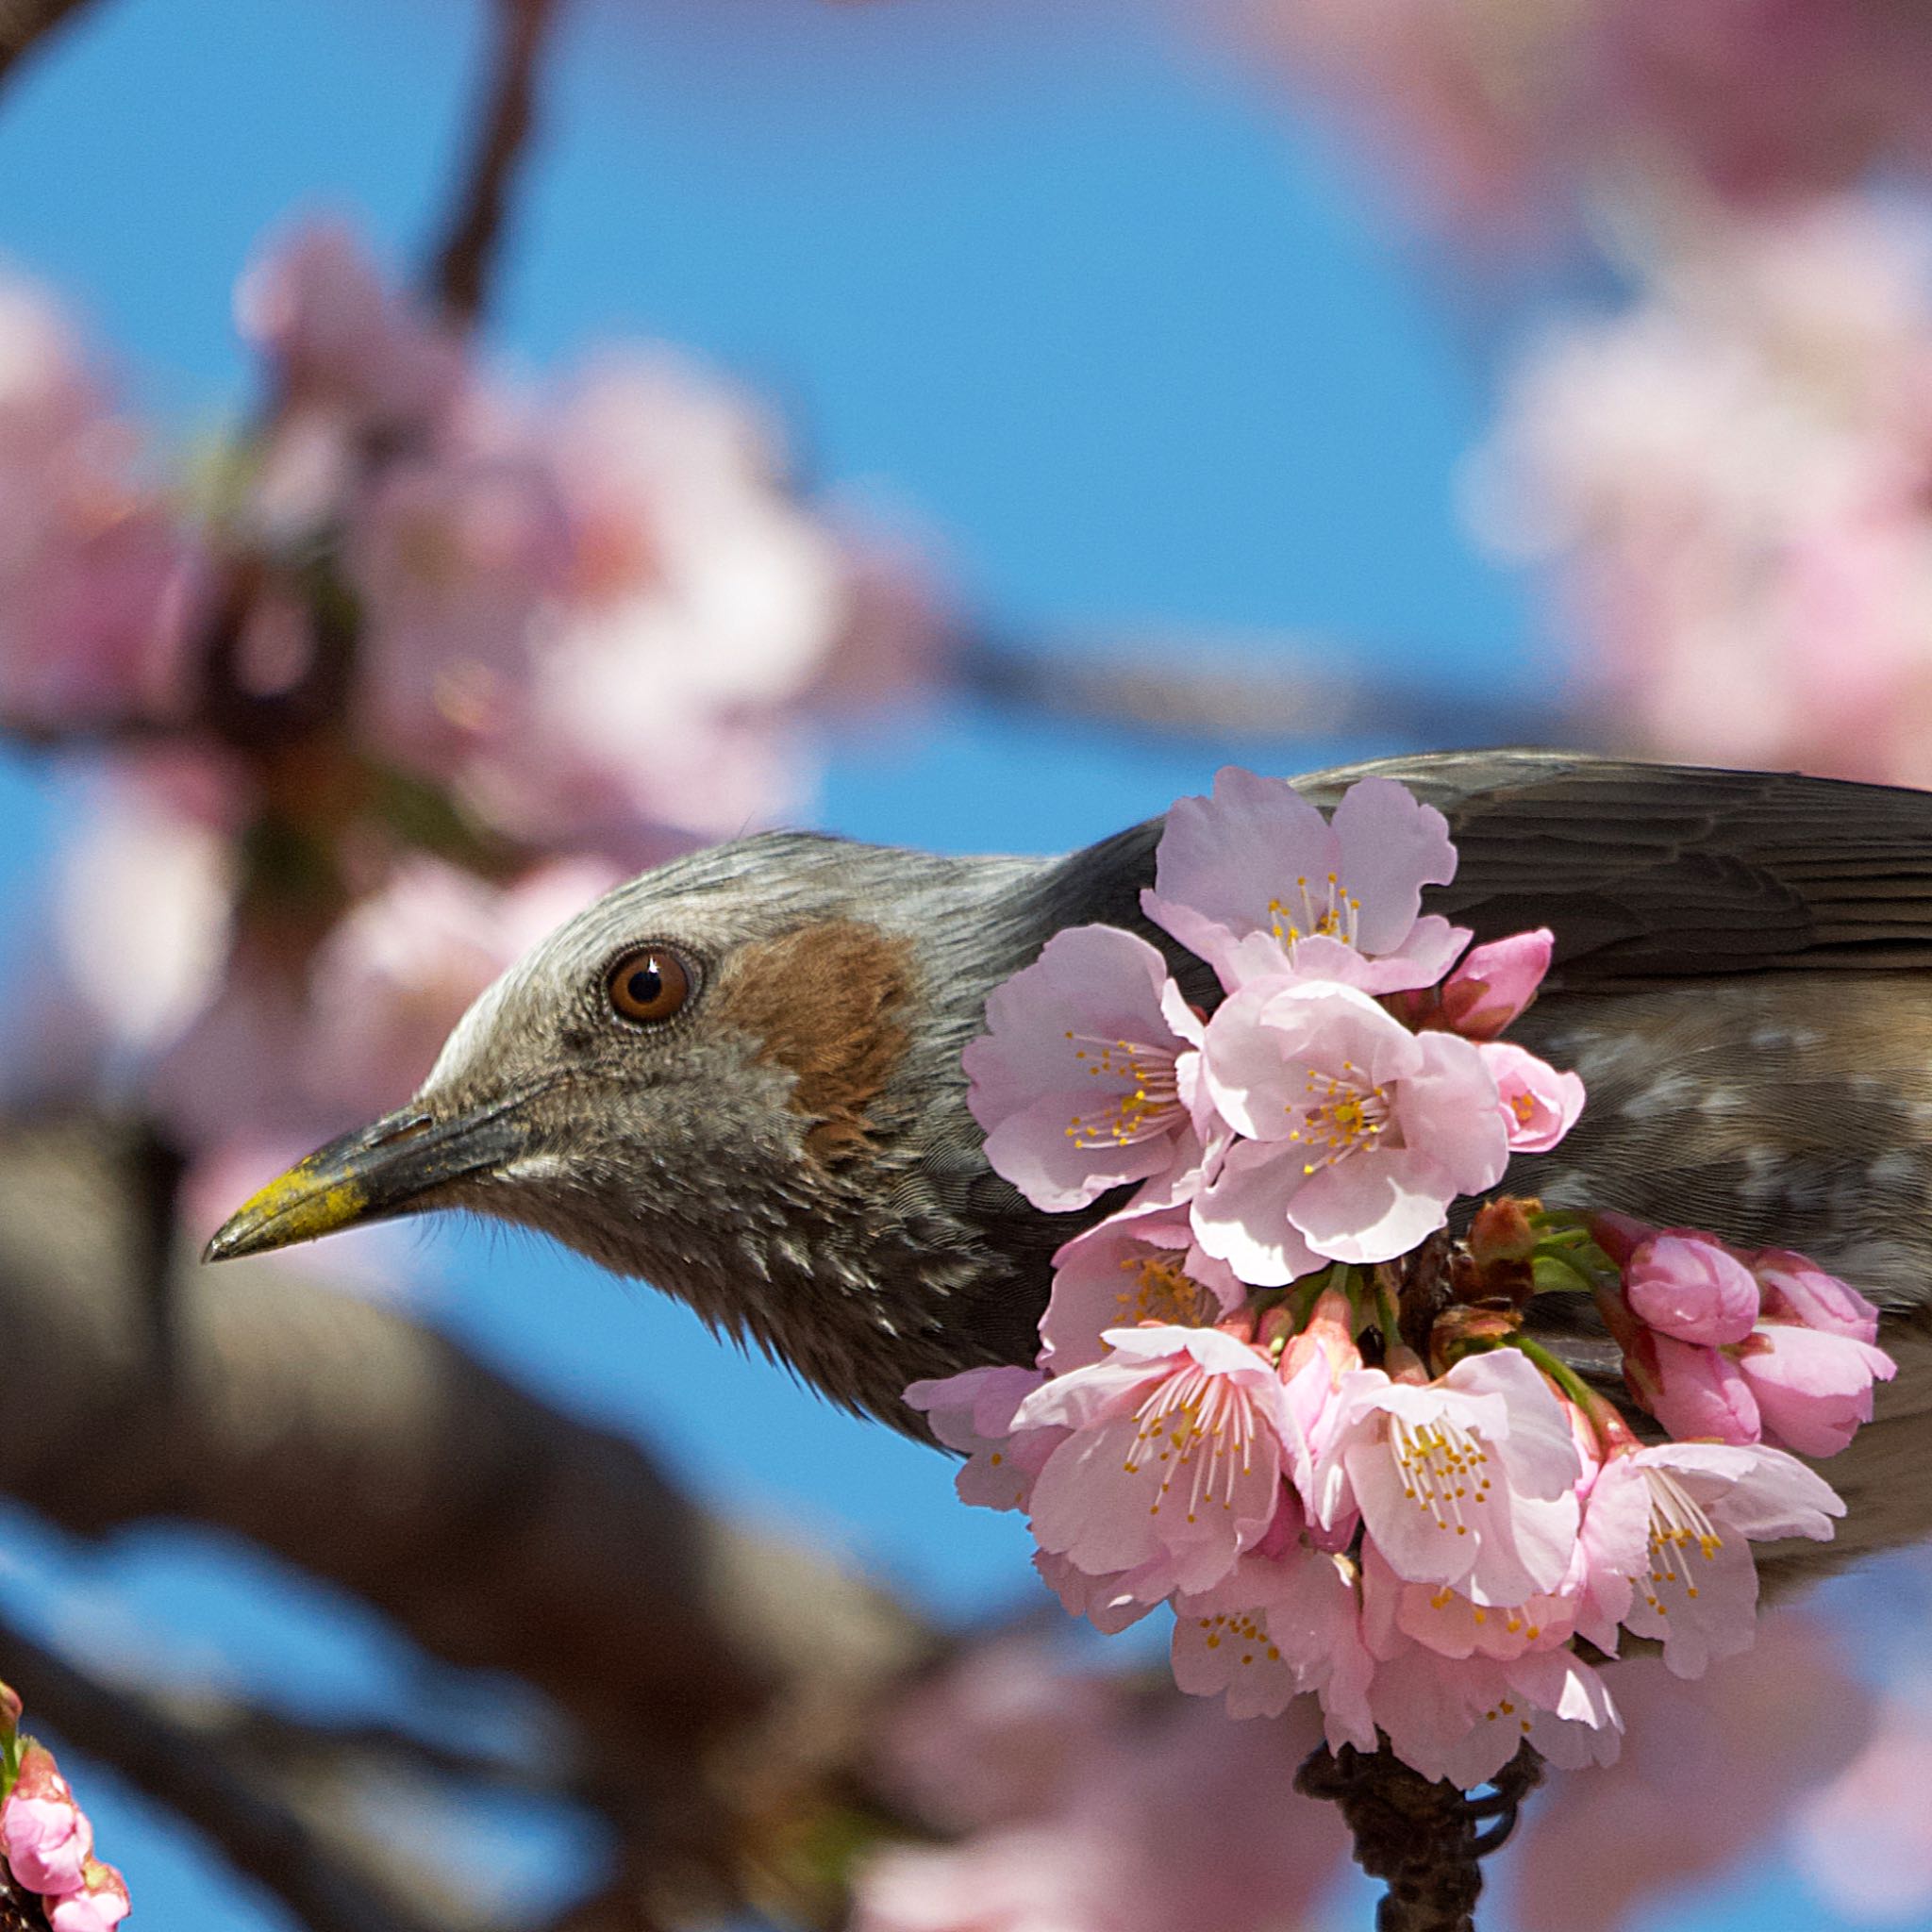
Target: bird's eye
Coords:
[[650, 984]]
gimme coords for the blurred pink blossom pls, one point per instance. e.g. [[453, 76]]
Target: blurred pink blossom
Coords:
[[1727, 487], [316, 305], [1501, 118], [403, 967], [1148, 1822], [1709, 1771], [1864, 1841], [98, 582]]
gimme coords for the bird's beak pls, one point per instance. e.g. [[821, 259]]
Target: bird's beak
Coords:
[[391, 1168]]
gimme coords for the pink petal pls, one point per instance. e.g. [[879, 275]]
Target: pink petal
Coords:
[[1391, 846], [1813, 1389], [1701, 1392], [1539, 1104]]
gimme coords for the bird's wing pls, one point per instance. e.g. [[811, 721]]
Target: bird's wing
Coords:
[[1664, 871]]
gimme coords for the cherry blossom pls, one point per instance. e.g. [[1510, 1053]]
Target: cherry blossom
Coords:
[[1540, 1103], [1694, 1392], [1256, 882], [1175, 1458], [316, 305], [1360, 1132], [1469, 1481], [1465, 1718], [1139, 1265], [1286, 1619], [1085, 1075], [1668, 1529], [974, 1412]]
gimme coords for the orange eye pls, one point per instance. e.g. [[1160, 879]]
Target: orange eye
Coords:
[[649, 986]]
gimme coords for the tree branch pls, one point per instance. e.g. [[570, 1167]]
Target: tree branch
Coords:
[[188, 1772], [466, 261], [1183, 688], [1419, 1837], [24, 24], [710, 1677]]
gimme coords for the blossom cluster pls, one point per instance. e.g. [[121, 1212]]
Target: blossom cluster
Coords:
[[419, 664], [1274, 1394], [1497, 116], [1721, 484], [47, 1839]]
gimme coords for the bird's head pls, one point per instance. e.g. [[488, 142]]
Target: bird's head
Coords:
[[738, 1078]]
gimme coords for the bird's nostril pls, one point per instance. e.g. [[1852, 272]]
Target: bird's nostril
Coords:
[[406, 1128]]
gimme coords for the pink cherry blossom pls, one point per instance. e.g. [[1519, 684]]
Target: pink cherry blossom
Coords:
[[1286, 1619], [99, 1906], [1465, 1718], [44, 1834], [1083, 1077], [1360, 1132], [1469, 1480], [1687, 1286], [1797, 1289], [1667, 1531], [1695, 1392], [1336, 897], [1812, 1388], [1396, 1613], [458, 557], [1540, 1103], [1112, 1601], [974, 1412], [1137, 1266], [1174, 1463]]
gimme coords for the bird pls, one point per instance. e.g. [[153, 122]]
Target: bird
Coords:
[[738, 1076]]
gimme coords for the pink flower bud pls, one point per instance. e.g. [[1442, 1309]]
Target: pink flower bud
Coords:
[[1812, 1389], [44, 1834], [1797, 1289], [1698, 1395], [1684, 1286], [1495, 983], [99, 1906]]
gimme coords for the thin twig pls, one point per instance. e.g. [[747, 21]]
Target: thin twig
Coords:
[[466, 261], [189, 1773], [1181, 687], [24, 24]]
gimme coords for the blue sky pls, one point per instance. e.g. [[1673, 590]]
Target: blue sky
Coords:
[[1072, 295]]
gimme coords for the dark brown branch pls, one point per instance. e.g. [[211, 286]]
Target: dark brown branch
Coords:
[[466, 261], [187, 1771], [1423, 1839], [24, 24], [709, 1675]]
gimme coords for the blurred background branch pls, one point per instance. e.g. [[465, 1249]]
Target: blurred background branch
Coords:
[[467, 259]]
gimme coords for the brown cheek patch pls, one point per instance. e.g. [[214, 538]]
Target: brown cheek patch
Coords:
[[829, 1003]]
